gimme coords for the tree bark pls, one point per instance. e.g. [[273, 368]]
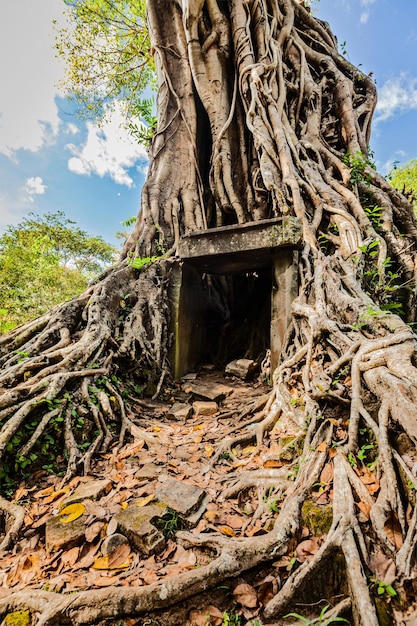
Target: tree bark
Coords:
[[258, 116]]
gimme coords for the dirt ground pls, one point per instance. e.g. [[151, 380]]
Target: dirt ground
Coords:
[[199, 451]]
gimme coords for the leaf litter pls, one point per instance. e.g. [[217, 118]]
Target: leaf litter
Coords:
[[136, 470]]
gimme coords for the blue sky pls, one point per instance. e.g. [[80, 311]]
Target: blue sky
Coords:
[[50, 160]]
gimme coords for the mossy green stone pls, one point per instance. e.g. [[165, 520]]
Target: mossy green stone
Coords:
[[317, 518]]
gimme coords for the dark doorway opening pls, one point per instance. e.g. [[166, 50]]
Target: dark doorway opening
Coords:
[[238, 315]]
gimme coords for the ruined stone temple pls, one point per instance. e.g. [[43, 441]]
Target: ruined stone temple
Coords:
[[231, 292]]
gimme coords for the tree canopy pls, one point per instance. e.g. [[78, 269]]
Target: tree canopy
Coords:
[[106, 49], [404, 178], [44, 261]]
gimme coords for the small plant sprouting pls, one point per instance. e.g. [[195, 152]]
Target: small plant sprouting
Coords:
[[383, 588], [169, 523], [230, 619], [23, 355], [274, 506], [321, 620], [374, 214]]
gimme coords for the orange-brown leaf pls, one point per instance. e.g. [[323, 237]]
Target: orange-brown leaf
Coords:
[[92, 531], [393, 530], [365, 508], [326, 475], [272, 463], [119, 556], [246, 595], [207, 616], [306, 550], [226, 530]]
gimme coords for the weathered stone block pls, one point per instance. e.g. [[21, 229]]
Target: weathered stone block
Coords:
[[232, 245], [64, 536], [179, 411], [92, 490], [205, 408], [180, 496], [211, 391], [242, 368], [136, 524]]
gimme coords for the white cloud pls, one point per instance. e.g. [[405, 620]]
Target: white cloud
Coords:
[[11, 212], [108, 151], [396, 96], [35, 186], [29, 72], [71, 129], [366, 13]]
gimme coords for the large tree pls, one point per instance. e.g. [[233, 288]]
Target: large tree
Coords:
[[258, 116]]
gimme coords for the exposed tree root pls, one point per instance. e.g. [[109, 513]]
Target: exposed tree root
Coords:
[[259, 116]]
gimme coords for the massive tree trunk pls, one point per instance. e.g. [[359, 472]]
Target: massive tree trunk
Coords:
[[259, 116]]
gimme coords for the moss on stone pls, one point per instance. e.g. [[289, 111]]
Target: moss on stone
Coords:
[[18, 618], [317, 518]]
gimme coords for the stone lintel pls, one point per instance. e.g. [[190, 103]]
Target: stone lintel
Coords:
[[240, 246]]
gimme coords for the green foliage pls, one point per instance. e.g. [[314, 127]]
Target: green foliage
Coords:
[[230, 619], [18, 618], [374, 213], [321, 621], [140, 263], [44, 261], [404, 178], [382, 588], [106, 49], [385, 285], [169, 523], [358, 164], [144, 111]]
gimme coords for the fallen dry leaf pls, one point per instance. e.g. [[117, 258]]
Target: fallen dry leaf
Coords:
[[112, 525], [327, 473], [393, 530], [226, 530], [212, 516], [56, 494], [271, 463], [70, 557], [306, 550], [71, 512], [322, 447], [93, 530], [119, 556], [234, 521], [383, 567], [249, 449], [207, 616], [267, 589], [144, 501], [102, 562], [131, 449], [246, 595], [106, 581], [365, 509]]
